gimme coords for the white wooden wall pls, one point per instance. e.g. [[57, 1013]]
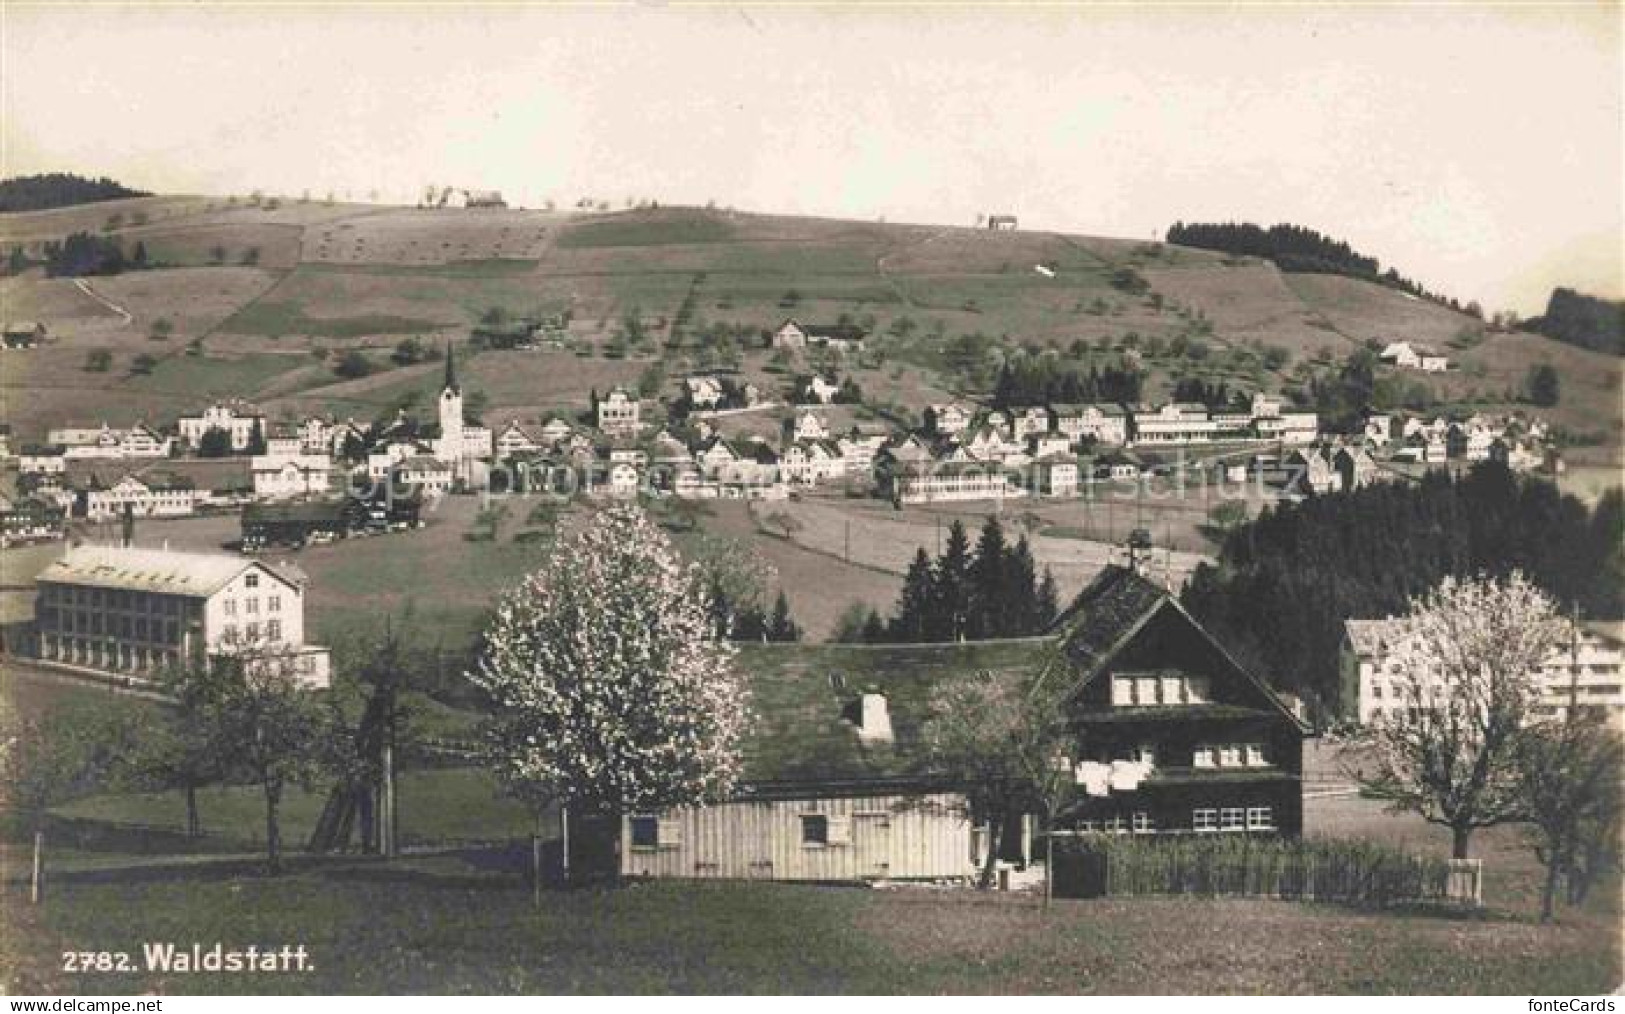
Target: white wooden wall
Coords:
[[871, 838]]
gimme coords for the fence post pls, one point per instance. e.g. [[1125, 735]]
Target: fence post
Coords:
[[1465, 884], [36, 886], [536, 870]]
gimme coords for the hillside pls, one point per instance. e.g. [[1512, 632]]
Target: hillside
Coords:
[[57, 190], [255, 291]]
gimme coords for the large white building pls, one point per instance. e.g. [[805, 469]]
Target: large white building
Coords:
[[237, 421], [136, 610], [139, 441], [1379, 664], [617, 413], [281, 476], [156, 499]]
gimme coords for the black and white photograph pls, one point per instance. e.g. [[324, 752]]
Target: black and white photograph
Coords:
[[527, 499]]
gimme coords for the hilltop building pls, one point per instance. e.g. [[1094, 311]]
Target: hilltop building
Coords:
[[838, 337]]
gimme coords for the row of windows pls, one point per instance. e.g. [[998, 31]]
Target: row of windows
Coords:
[[112, 598], [818, 830], [1233, 818], [1140, 690], [251, 631], [1230, 755], [138, 627], [273, 604]]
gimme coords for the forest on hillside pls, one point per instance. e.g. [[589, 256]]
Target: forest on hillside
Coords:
[[59, 190], [1285, 582], [1587, 321], [1300, 249]]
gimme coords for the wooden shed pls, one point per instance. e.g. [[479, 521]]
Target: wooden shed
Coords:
[[834, 789]]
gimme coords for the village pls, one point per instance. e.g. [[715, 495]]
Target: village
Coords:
[[294, 479]]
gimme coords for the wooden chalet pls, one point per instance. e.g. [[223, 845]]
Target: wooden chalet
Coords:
[[1174, 737]]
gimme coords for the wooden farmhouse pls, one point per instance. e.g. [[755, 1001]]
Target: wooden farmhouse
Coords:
[[1174, 737]]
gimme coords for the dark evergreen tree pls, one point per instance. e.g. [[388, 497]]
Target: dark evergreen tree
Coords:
[[988, 612], [912, 622], [950, 589], [1020, 616], [1286, 582], [782, 627], [1048, 605]]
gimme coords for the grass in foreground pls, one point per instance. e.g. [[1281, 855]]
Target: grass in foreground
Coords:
[[456, 925]]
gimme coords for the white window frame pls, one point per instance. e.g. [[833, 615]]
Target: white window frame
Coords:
[[1232, 818], [1204, 820], [1143, 824], [1122, 691], [1260, 818]]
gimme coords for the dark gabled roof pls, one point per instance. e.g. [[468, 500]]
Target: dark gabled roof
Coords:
[[1112, 606], [803, 697], [1115, 606]]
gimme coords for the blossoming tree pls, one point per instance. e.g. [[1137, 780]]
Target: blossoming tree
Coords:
[[612, 691], [1469, 683]]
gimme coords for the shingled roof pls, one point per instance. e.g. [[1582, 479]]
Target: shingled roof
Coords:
[[1108, 609], [805, 697]]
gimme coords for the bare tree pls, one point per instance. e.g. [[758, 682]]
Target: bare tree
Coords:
[[1004, 739], [1472, 652], [1570, 773]]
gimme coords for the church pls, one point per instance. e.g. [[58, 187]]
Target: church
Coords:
[[459, 443]]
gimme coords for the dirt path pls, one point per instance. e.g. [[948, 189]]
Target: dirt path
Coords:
[[84, 286]]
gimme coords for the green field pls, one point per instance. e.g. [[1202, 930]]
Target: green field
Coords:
[[447, 926], [459, 918]]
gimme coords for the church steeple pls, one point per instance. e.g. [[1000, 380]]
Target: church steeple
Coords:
[[451, 370]]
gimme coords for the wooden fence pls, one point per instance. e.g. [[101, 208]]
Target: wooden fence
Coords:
[[1353, 872]]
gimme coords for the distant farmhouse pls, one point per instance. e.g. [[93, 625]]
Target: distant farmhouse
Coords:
[[1174, 738], [22, 334], [1407, 356], [837, 337], [1001, 223], [132, 611]]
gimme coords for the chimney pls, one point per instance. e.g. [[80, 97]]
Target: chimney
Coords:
[[874, 719]]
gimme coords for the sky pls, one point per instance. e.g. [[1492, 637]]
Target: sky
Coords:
[[1478, 149]]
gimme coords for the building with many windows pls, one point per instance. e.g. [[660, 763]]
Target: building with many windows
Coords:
[[1381, 675], [237, 421], [135, 610]]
